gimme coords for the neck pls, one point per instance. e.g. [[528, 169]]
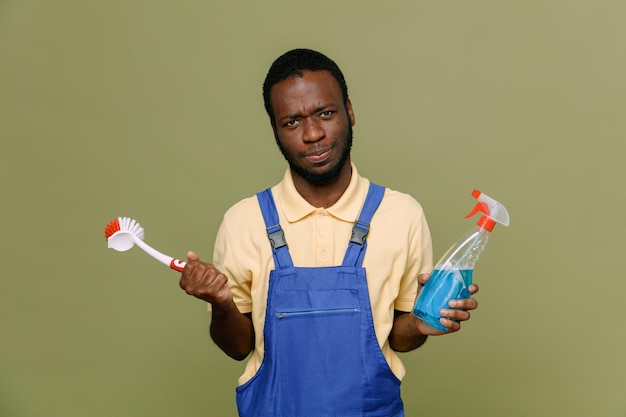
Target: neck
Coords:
[[324, 196]]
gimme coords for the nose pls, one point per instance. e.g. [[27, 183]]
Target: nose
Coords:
[[313, 131]]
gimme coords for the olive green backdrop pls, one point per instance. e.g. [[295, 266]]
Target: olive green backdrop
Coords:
[[153, 110]]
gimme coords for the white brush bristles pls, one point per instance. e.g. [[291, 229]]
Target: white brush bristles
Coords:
[[130, 225]]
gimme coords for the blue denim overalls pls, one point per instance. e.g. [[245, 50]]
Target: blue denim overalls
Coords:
[[322, 358]]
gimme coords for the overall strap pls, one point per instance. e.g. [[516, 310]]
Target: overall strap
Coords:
[[358, 244], [280, 251]]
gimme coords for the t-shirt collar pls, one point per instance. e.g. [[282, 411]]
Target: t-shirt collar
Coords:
[[347, 208]]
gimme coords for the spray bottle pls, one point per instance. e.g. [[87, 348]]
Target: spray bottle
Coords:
[[452, 274]]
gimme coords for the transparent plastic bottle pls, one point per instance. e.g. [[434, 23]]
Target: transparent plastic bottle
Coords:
[[452, 275]]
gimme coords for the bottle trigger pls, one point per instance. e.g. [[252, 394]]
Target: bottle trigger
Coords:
[[480, 206]]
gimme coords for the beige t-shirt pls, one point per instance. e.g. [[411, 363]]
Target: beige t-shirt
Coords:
[[399, 249]]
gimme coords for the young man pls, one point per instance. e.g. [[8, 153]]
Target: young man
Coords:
[[289, 283]]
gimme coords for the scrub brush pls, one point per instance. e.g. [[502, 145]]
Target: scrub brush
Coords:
[[123, 233]]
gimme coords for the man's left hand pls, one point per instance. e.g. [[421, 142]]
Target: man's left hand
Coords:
[[452, 317]]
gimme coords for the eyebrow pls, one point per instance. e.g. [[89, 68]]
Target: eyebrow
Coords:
[[315, 110]]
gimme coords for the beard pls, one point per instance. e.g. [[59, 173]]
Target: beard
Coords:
[[323, 178]]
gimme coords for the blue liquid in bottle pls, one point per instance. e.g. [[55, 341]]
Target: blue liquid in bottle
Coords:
[[444, 285]]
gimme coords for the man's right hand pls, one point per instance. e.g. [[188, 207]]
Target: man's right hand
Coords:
[[204, 281], [232, 331]]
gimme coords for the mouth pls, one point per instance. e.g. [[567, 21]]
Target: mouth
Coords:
[[318, 156]]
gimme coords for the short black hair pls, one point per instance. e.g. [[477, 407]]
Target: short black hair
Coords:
[[291, 64]]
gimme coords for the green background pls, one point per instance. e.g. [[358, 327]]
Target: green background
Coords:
[[153, 110]]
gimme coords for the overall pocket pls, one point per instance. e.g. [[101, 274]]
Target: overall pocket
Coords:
[[318, 351]]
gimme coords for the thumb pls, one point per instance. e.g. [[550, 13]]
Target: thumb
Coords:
[[421, 280], [192, 256]]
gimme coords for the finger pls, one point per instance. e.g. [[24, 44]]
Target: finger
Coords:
[[190, 265], [214, 287], [473, 288], [452, 326], [422, 278], [464, 304], [428, 330], [192, 272], [187, 275], [193, 277], [207, 279], [456, 315], [218, 283]]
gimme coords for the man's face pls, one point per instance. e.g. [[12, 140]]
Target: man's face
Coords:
[[313, 127]]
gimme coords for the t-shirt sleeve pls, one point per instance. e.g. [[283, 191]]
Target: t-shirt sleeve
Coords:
[[224, 259], [420, 260]]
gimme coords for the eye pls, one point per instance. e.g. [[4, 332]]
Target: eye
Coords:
[[327, 113], [291, 123]]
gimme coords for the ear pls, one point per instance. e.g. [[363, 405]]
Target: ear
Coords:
[[275, 132], [350, 112]]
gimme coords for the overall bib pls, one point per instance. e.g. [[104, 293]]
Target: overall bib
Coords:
[[322, 358]]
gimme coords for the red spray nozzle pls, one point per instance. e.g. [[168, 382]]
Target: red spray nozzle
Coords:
[[493, 211]]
